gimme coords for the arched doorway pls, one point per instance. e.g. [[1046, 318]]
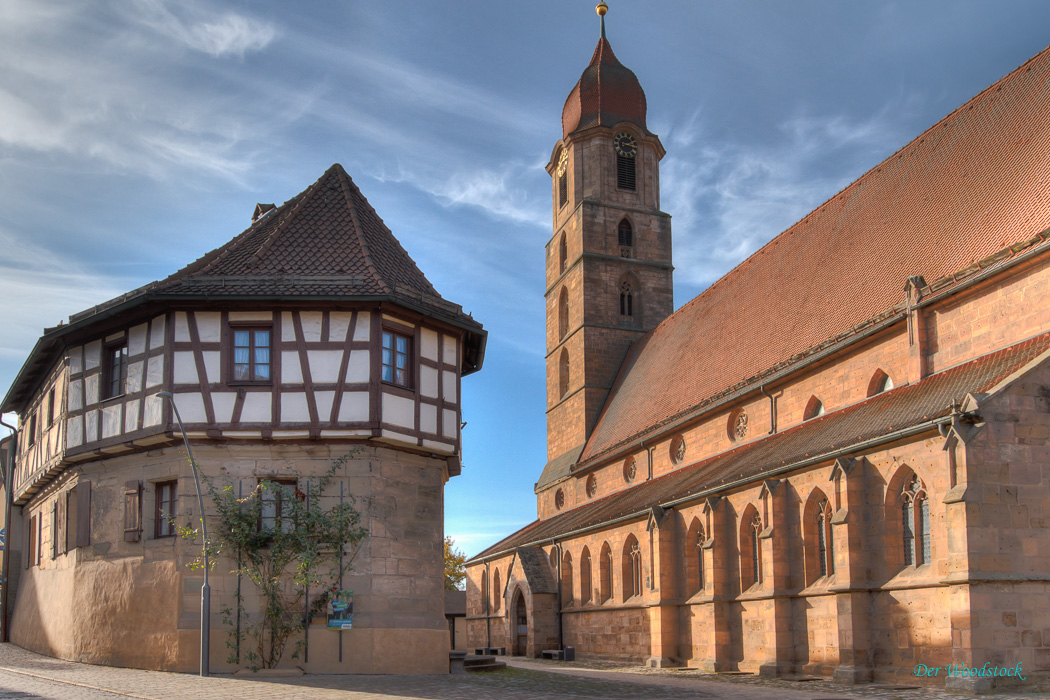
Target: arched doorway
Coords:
[[521, 626]]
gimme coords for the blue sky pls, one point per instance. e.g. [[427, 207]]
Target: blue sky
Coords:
[[136, 135]]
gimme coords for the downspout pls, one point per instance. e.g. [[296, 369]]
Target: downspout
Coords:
[[8, 483], [772, 410]]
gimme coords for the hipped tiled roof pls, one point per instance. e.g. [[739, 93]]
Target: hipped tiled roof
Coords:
[[971, 185], [878, 416]]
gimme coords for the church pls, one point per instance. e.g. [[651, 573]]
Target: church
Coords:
[[834, 461], [311, 339]]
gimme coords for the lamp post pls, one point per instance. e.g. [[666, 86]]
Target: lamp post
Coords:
[[205, 589]]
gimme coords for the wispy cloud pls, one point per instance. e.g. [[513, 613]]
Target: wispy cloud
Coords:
[[216, 34], [730, 200]]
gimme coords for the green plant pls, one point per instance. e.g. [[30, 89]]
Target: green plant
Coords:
[[280, 539]]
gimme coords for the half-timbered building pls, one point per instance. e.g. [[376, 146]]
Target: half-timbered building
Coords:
[[836, 459], [309, 335]]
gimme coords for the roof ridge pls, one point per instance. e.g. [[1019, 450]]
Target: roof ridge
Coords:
[[284, 223], [345, 182]]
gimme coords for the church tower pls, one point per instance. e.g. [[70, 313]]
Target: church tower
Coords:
[[609, 272]]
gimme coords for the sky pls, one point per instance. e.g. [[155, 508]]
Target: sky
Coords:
[[136, 135]]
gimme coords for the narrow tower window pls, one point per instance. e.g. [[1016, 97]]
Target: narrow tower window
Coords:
[[563, 373], [563, 179], [563, 313], [625, 233], [626, 300], [563, 254]]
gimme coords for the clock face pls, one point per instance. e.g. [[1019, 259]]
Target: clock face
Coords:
[[625, 145], [563, 162]]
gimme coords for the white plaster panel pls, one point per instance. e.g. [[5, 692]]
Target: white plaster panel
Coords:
[[156, 332], [338, 325], [438, 446], [191, 407], [92, 354], [76, 395], [324, 401], [354, 406], [449, 357], [429, 344], [428, 418], [152, 411], [155, 370], [287, 329], [291, 370], [134, 377], [185, 368], [75, 431], [363, 325], [111, 420], [294, 408], [182, 327], [211, 366], [91, 389], [399, 410], [357, 367], [428, 381], [311, 321], [137, 340], [76, 360], [222, 404], [324, 365], [256, 407], [391, 436], [209, 326], [448, 423], [131, 416], [91, 426], [251, 316], [448, 386]]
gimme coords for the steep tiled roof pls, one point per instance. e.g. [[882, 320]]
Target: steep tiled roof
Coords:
[[971, 185], [325, 241], [607, 93], [878, 416]]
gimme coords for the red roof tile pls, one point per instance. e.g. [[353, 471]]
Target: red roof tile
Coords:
[[878, 416], [972, 184], [607, 93]]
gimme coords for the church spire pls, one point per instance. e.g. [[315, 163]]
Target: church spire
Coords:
[[601, 8]]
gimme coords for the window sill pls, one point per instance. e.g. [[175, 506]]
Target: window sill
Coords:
[[267, 383], [113, 398]]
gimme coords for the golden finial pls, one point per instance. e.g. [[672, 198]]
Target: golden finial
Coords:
[[601, 8]]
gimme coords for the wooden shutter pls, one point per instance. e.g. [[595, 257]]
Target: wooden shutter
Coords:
[[61, 504], [133, 511], [83, 513]]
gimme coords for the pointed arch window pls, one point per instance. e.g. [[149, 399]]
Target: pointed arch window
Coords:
[[632, 568], [484, 592], [605, 573], [566, 580], [563, 254], [626, 299], [825, 540], [563, 313], [694, 557], [625, 237], [750, 548], [915, 521], [563, 373], [756, 549], [880, 382], [497, 594], [814, 408], [585, 576]]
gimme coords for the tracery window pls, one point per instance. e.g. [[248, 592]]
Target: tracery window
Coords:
[[626, 300], [756, 549], [825, 540], [632, 568], [915, 521], [694, 557]]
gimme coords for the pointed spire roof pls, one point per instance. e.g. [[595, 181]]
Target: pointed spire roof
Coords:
[[607, 93]]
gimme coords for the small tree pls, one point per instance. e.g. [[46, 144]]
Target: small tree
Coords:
[[285, 544], [455, 571]]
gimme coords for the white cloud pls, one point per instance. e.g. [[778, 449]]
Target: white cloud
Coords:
[[221, 34]]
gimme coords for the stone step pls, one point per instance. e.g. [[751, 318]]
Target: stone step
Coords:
[[482, 663]]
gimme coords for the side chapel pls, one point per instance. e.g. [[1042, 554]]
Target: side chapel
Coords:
[[309, 336], [836, 459]]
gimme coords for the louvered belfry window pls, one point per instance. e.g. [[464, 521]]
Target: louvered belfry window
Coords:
[[625, 177]]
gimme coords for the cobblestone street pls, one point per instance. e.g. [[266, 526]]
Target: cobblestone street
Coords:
[[27, 675]]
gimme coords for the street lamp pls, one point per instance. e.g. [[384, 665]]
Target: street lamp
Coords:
[[205, 589]]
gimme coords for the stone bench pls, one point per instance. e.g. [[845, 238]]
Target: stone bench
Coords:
[[491, 651], [566, 654], [455, 662]]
